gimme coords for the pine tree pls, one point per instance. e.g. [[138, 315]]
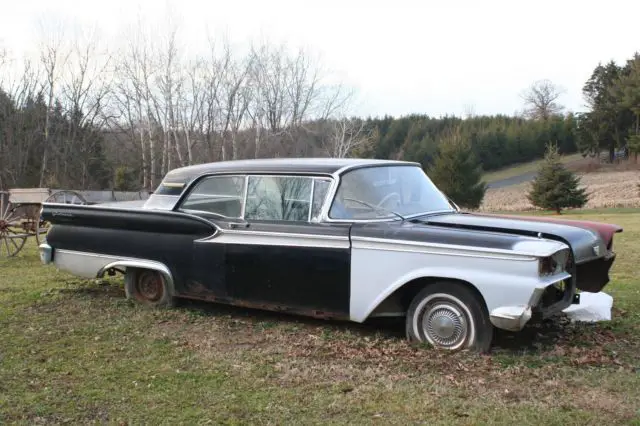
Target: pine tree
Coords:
[[457, 172], [627, 91], [556, 187]]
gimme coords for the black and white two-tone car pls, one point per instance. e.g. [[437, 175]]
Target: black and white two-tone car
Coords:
[[334, 238]]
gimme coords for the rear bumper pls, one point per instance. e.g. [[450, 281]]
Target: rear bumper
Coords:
[[46, 253]]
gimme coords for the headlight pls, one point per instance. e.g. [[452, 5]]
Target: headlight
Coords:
[[554, 264]]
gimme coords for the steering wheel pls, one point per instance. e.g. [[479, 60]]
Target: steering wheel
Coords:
[[386, 197]]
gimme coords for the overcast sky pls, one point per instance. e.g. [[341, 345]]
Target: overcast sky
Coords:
[[402, 56]]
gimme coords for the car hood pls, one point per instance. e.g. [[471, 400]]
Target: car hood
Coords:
[[605, 230], [587, 240]]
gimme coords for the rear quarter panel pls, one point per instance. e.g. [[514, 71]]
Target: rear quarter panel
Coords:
[[165, 237]]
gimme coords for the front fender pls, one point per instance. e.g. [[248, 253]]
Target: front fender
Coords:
[[375, 275]]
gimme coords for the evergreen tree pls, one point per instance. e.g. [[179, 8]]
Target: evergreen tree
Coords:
[[627, 92], [607, 121], [556, 187], [125, 179], [457, 172]]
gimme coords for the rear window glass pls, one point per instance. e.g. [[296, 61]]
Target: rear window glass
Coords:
[[170, 188]]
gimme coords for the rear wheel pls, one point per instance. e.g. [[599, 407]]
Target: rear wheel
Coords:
[[449, 315], [147, 287]]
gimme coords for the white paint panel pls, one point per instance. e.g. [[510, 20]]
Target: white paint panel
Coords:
[[92, 265], [81, 264], [377, 272]]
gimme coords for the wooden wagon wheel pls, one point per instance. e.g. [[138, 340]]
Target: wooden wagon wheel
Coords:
[[11, 240], [64, 197]]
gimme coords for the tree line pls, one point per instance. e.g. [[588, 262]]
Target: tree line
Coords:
[[613, 119], [86, 116], [496, 141]]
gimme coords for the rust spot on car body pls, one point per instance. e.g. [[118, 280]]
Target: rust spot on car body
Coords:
[[197, 291]]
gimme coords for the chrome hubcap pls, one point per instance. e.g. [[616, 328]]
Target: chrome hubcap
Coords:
[[445, 325]]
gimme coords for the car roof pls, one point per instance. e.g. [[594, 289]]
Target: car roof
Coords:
[[278, 165]]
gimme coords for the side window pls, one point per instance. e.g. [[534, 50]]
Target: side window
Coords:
[[223, 195], [278, 198], [320, 190]]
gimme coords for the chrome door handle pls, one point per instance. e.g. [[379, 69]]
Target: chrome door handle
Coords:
[[238, 224]]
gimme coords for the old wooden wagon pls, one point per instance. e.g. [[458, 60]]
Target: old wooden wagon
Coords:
[[20, 215]]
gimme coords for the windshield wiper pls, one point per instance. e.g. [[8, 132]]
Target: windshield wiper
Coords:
[[451, 203], [376, 208]]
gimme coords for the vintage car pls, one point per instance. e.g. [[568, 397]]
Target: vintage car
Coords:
[[335, 238]]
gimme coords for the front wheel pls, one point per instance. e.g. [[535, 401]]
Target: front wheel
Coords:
[[147, 287], [449, 315]]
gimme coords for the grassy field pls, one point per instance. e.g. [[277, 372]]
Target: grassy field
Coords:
[[75, 351], [523, 168], [607, 189]]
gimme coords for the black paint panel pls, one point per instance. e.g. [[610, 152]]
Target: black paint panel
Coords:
[[166, 238], [208, 271], [303, 277], [324, 166], [173, 250], [421, 232], [311, 278], [129, 219]]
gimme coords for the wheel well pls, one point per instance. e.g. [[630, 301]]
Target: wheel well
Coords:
[[140, 265], [401, 298]]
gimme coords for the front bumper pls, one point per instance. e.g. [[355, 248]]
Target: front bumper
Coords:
[[515, 317], [512, 318]]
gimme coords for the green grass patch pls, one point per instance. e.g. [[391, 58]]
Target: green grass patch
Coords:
[[75, 351]]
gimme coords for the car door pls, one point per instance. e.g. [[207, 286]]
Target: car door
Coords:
[[218, 199], [279, 255]]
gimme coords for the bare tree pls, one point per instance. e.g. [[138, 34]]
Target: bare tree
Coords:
[[169, 84], [85, 88], [233, 98], [469, 111], [135, 100], [541, 100], [53, 56], [3, 56], [19, 133], [151, 106], [346, 136]]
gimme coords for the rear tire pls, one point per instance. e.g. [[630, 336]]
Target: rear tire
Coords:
[[147, 287], [449, 315]]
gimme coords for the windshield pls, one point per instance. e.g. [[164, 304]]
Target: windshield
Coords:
[[386, 192]]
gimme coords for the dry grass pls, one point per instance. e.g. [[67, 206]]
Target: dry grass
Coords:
[[607, 188], [75, 351]]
